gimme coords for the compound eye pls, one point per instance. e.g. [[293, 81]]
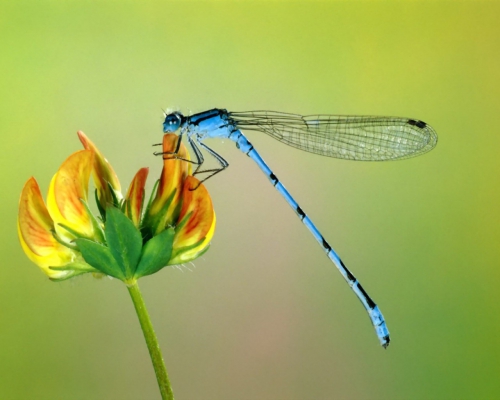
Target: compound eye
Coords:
[[172, 119], [172, 123]]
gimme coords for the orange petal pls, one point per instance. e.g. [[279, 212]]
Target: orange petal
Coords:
[[102, 172], [35, 226], [135, 196], [194, 252], [68, 187], [172, 177], [197, 208]]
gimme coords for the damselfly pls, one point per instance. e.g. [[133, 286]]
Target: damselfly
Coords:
[[363, 138]]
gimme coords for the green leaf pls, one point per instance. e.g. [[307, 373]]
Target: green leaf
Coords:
[[156, 253], [124, 240], [100, 257]]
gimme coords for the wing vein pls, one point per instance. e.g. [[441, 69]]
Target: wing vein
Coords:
[[365, 138]]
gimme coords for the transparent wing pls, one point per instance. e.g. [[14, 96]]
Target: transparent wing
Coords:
[[365, 138]]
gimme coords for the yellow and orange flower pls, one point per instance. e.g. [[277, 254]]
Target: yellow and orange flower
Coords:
[[64, 239], [181, 202]]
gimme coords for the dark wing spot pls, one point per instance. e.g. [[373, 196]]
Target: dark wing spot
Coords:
[[418, 124]]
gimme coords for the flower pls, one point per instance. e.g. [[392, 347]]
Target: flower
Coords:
[[35, 228], [181, 202], [65, 239], [107, 184]]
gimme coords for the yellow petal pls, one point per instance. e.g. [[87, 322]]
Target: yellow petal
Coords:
[[197, 220], [194, 252], [172, 178], [135, 196], [68, 187], [102, 172], [34, 227]]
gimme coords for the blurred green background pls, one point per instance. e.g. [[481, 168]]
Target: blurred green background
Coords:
[[264, 314]]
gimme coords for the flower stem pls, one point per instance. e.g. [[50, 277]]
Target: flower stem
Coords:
[[151, 341]]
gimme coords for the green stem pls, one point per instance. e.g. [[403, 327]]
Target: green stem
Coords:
[[151, 341]]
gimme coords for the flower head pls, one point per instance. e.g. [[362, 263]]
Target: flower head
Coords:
[[65, 239]]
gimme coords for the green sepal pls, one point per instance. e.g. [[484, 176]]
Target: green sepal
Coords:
[[181, 224], [69, 275], [178, 251], [124, 240], [75, 266], [127, 208], [100, 257], [153, 225], [159, 219], [156, 253], [145, 227], [73, 269], [77, 234], [114, 198], [98, 232], [101, 209], [60, 241], [153, 195], [202, 252]]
